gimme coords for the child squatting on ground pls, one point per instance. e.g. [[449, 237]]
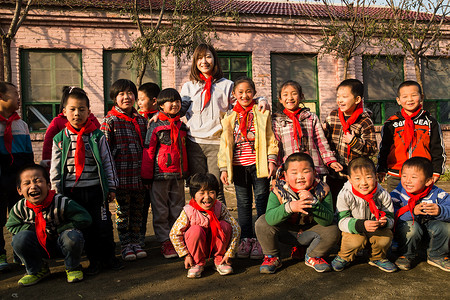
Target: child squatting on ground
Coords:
[[299, 213], [46, 225], [205, 228], [410, 132], [83, 169], [366, 214], [299, 130], [421, 210], [349, 131], [247, 157], [15, 152], [164, 167], [125, 131]]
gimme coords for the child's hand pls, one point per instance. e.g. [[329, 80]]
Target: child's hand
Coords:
[[436, 178], [188, 261], [111, 196], [154, 118], [263, 105], [431, 209], [225, 260], [300, 206], [381, 176], [348, 137], [382, 221], [371, 226], [272, 170], [418, 209], [324, 126], [336, 166], [224, 177]]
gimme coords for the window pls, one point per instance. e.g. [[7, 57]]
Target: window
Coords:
[[436, 74], [382, 76], [43, 75], [115, 66], [235, 64], [298, 67]]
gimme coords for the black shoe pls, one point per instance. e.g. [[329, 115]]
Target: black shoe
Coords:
[[93, 269], [113, 264]]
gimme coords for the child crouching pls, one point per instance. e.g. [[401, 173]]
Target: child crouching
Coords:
[[421, 209], [299, 213], [205, 228], [46, 225], [366, 214]]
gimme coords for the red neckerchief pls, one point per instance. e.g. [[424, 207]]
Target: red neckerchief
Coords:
[[7, 135], [412, 202], [297, 128], [40, 223], [409, 134], [243, 114], [80, 153], [133, 120], [216, 230], [206, 89], [147, 114], [174, 128], [346, 124], [369, 199]]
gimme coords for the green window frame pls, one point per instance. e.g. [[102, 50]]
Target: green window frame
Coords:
[[115, 66], [235, 64], [43, 74], [436, 86], [300, 67], [382, 75]]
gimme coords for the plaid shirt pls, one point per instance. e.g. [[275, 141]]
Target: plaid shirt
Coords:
[[126, 147], [313, 139], [363, 144]]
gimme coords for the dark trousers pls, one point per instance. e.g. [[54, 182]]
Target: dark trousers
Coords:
[[246, 183], [99, 237], [336, 184]]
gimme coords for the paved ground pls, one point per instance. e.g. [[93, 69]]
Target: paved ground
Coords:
[[159, 278]]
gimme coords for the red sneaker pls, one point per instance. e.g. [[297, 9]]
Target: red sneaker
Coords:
[[168, 250]]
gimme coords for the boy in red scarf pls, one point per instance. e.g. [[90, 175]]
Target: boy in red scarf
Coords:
[[83, 170], [421, 209], [366, 215], [164, 167], [46, 225], [205, 228], [349, 131], [15, 152], [410, 132], [125, 130], [247, 157]]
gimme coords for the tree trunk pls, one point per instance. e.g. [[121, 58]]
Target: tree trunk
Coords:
[[6, 49], [141, 74], [417, 71], [345, 68]]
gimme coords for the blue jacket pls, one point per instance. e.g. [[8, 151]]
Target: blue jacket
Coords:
[[436, 195]]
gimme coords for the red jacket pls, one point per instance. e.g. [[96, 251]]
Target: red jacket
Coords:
[[160, 160], [58, 124], [429, 143]]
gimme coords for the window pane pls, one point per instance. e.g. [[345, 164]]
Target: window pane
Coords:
[[235, 76], [445, 111], [300, 68], [390, 109], [239, 64], [436, 78], [235, 64], [38, 116], [431, 107], [224, 64], [116, 67], [382, 76]]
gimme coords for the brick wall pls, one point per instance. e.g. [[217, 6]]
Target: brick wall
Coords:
[[90, 33]]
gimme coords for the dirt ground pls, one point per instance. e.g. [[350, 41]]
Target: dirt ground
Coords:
[[157, 278]]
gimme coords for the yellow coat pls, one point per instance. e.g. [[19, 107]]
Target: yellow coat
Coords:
[[265, 143]]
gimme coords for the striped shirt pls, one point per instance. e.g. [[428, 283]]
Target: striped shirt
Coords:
[[244, 148], [89, 176]]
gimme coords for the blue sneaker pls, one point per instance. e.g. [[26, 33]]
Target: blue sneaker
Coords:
[[270, 264], [384, 264], [4, 266], [442, 263], [338, 264], [317, 263]]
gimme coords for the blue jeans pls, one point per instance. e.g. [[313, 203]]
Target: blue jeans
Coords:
[[69, 244], [409, 237], [244, 180]]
